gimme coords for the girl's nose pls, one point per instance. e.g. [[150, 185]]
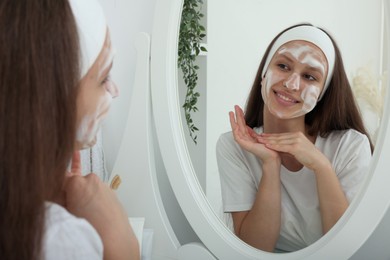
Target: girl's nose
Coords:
[[112, 89], [292, 82]]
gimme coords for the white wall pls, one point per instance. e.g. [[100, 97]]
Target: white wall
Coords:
[[125, 18]]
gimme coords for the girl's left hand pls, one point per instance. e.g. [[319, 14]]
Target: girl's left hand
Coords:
[[297, 145]]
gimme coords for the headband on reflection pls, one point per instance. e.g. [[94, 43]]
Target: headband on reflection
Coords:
[[311, 34], [92, 28]]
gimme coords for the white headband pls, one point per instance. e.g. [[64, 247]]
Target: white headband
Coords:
[[92, 28], [311, 34]]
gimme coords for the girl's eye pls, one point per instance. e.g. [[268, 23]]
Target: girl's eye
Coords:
[[283, 66], [309, 77]]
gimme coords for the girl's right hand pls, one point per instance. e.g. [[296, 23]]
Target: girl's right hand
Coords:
[[246, 137], [89, 198]]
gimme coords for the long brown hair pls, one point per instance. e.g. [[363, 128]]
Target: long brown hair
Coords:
[[39, 72], [337, 110]]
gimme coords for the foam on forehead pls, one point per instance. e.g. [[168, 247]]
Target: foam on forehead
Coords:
[[92, 27], [311, 34]]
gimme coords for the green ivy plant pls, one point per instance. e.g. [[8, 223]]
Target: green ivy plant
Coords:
[[190, 37]]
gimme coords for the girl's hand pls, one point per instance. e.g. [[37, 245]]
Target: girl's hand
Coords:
[[297, 145], [89, 198], [247, 138]]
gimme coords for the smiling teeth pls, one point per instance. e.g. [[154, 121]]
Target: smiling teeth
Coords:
[[286, 98]]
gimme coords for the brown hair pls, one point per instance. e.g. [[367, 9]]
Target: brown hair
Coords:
[[337, 110], [39, 72]]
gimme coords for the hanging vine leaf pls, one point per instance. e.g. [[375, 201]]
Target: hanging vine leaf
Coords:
[[190, 36]]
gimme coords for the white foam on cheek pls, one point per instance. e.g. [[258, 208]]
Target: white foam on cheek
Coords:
[[87, 131], [83, 129], [108, 59], [309, 96], [90, 123], [270, 79]]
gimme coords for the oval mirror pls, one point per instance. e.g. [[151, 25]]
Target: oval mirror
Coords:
[[358, 53]]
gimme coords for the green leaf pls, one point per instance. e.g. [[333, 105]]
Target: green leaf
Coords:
[[191, 33]]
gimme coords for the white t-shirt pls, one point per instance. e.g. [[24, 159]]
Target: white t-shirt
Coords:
[[240, 174], [67, 237]]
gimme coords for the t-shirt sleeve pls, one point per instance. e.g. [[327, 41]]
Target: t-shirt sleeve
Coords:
[[353, 166], [72, 238], [238, 185]]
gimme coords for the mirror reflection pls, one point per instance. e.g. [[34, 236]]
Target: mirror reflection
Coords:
[[291, 164], [299, 149]]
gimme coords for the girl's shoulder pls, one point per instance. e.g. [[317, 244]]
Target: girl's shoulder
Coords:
[[64, 231], [348, 135], [344, 141]]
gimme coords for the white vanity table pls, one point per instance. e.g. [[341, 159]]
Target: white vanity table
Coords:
[[176, 203]]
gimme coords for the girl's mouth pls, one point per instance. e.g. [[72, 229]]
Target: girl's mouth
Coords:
[[285, 98]]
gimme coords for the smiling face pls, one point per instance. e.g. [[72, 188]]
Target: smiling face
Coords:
[[95, 95], [294, 79]]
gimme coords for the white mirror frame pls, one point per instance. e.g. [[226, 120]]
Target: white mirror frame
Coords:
[[341, 242]]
